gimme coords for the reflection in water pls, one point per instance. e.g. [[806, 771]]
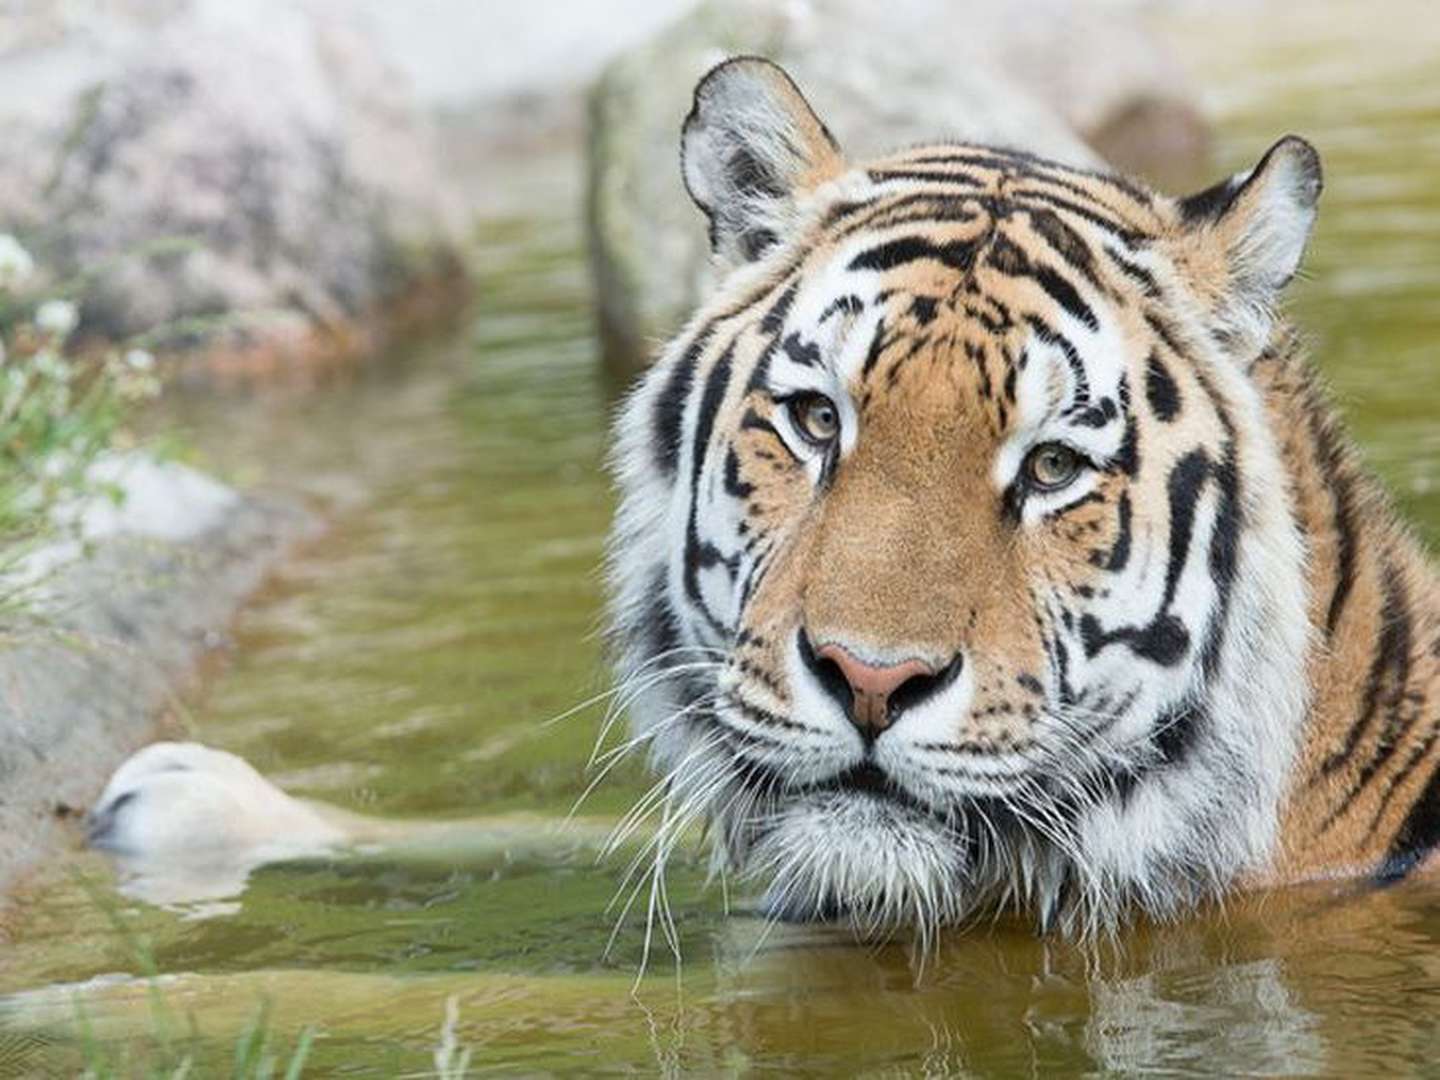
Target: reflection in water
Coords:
[[401, 666], [808, 1001], [1240, 993], [1247, 1016]]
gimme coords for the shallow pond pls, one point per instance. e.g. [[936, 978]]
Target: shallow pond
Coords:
[[405, 666]]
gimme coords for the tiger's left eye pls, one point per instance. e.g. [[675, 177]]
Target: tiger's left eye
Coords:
[[1051, 466], [816, 416]]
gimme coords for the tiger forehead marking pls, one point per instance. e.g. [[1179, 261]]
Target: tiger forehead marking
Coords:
[[946, 352], [959, 560]]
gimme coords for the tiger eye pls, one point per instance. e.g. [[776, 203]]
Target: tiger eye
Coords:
[[816, 416], [1051, 466]]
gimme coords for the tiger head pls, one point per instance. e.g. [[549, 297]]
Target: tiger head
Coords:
[[953, 566]]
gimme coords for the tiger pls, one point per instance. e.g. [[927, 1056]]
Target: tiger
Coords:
[[984, 543]]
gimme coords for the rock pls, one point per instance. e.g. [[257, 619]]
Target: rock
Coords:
[[200, 166], [118, 634], [1041, 75]]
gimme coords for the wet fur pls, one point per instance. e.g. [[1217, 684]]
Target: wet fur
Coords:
[[1189, 678]]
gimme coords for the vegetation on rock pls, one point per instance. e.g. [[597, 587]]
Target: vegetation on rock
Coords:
[[61, 409]]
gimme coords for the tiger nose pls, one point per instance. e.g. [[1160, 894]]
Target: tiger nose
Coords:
[[869, 688]]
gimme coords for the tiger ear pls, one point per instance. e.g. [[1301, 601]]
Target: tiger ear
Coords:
[[1258, 222], [750, 148]]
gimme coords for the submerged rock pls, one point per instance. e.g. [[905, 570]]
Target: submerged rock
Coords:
[[210, 174], [1036, 74]]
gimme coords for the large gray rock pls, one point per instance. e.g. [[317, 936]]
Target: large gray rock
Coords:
[[195, 165], [1041, 75]]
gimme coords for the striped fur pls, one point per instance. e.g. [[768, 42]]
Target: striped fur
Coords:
[[1202, 664]]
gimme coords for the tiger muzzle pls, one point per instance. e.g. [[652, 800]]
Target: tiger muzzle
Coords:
[[874, 695]]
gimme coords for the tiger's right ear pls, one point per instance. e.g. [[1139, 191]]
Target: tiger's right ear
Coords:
[[751, 147]]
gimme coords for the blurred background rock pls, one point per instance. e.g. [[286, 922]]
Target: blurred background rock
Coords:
[[253, 180], [283, 182], [1086, 84]]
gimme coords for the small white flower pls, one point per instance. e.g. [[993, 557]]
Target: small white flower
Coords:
[[137, 387], [140, 360], [51, 365], [16, 265], [57, 317]]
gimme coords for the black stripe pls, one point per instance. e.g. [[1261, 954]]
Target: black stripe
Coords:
[[1010, 259], [958, 179], [731, 734], [734, 486], [1131, 238], [1225, 533], [976, 352], [716, 383], [759, 565], [1137, 273], [1165, 640], [771, 324], [756, 714], [700, 554], [956, 254], [804, 353], [877, 347], [753, 421], [774, 319], [1392, 655], [1166, 334], [1087, 499], [922, 309], [1060, 657], [1396, 638], [1224, 556], [1119, 556], [1066, 295], [1209, 204], [917, 344], [1161, 391], [1183, 487], [845, 214], [668, 410], [1178, 730], [1097, 415], [841, 210], [850, 305], [1337, 480], [996, 160], [1044, 169], [1065, 242], [1127, 457], [941, 211], [1050, 336], [1418, 834], [1394, 782], [659, 624]]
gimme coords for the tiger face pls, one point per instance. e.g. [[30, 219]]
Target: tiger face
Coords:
[[954, 565]]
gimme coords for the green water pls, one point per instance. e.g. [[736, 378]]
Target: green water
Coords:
[[404, 666]]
